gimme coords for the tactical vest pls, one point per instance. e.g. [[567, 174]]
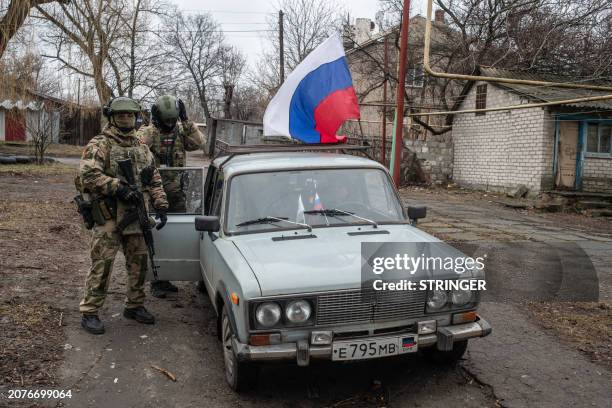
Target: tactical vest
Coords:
[[138, 154], [169, 149]]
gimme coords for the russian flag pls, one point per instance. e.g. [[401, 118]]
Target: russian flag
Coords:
[[316, 98]]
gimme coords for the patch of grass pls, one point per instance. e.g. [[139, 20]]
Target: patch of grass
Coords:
[[55, 149], [585, 325], [36, 170]]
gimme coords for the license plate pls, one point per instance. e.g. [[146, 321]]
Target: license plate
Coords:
[[373, 347]]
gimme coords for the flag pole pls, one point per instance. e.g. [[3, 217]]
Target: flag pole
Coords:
[[398, 123]]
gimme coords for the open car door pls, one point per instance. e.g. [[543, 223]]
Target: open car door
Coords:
[[177, 248]]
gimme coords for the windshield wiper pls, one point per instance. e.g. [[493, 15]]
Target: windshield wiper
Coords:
[[335, 212], [269, 219]]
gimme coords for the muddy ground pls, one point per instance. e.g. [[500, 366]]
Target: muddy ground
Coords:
[[527, 361], [41, 241]]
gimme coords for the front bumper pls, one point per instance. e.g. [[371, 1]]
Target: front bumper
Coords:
[[302, 352]]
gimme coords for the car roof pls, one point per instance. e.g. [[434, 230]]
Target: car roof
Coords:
[[255, 162]]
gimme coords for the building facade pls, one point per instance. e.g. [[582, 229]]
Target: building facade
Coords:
[[565, 147]]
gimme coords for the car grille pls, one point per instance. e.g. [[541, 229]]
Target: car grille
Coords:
[[356, 307]]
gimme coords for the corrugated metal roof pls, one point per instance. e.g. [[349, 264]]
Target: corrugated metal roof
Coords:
[[547, 93], [21, 105]]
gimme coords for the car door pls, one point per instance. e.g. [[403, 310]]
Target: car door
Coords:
[[177, 250], [212, 206]]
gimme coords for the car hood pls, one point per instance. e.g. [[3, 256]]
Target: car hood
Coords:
[[331, 261]]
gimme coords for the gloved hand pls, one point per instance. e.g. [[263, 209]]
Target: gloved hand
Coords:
[[182, 111], [125, 193], [163, 219], [155, 116]]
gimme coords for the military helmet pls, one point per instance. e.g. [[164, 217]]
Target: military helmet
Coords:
[[167, 108], [121, 105]]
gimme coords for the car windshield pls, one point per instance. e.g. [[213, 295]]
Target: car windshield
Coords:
[[330, 197]]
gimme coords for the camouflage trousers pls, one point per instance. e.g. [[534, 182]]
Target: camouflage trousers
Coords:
[[104, 248]]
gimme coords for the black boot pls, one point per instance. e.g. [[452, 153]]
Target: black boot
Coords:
[[92, 324], [161, 289], [168, 286], [139, 314]]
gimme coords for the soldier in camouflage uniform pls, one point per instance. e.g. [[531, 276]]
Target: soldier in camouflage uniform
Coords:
[[169, 141], [100, 178]]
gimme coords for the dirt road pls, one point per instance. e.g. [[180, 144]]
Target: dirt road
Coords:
[[43, 267]]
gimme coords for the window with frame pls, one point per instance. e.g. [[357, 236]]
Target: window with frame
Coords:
[[481, 98], [183, 188], [415, 77], [599, 138]]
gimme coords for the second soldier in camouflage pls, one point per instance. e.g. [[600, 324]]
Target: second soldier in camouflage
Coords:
[[169, 140]]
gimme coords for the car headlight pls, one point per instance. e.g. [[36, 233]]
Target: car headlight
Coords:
[[461, 297], [298, 311], [268, 314], [437, 299]]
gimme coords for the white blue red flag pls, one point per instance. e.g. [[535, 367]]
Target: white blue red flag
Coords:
[[316, 98]]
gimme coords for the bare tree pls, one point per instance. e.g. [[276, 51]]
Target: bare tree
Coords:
[[90, 26], [306, 24], [534, 35], [249, 103], [232, 63], [539, 35], [137, 60], [194, 44], [15, 16], [41, 125], [113, 43]]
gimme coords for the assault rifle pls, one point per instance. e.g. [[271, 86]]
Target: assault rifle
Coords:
[[139, 212]]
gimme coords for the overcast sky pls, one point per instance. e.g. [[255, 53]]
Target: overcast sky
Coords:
[[251, 15]]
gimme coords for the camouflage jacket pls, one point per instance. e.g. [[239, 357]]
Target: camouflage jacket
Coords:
[[99, 171], [169, 148]]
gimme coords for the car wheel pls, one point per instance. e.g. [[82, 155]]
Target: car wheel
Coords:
[[239, 375], [447, 357]]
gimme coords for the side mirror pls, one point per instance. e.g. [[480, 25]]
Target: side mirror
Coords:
[[415, 213], [207, 223]]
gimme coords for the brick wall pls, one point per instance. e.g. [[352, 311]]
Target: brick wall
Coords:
[[435, 156], [597, 174], [500, 150], [433, 152]]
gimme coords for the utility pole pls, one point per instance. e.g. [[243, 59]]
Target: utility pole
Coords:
[[281, 47], [384, 116], [80, 114], [398, 144]]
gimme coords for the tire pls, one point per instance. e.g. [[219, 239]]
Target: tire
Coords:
[[447, 357], [240, 376], [8, 160]]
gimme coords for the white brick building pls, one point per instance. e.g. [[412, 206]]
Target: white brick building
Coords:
[[558, 147]]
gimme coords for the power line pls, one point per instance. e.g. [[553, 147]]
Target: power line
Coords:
[[209, 31], [226, 11], [245, 23]]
